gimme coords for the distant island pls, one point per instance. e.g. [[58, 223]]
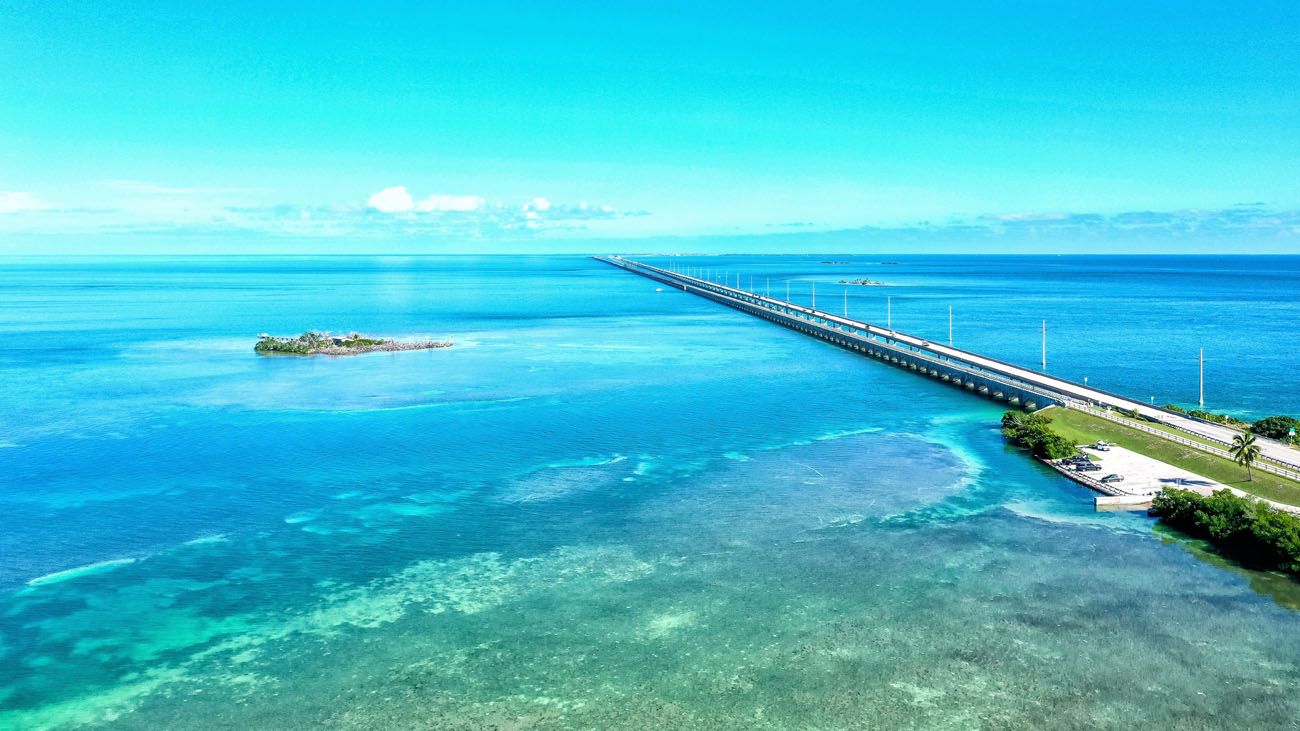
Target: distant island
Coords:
[[829, 261], [315, 343], [863, 282]]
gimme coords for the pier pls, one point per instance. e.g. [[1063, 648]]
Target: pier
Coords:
[[978, 374]]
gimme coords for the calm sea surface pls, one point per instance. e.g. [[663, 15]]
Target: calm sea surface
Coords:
[[608, 506]]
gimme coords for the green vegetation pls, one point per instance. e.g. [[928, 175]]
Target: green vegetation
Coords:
[[1223, 419], [1245, 451], [1247, 530], [313, 342], [1032, 432], [1275, 427], [1272, 427], [1176, 432], [1083, 428]]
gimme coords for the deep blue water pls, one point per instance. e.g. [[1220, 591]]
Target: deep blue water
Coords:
[[608, 506]]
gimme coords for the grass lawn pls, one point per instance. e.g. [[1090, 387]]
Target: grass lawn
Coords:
[[1188, 435], [1084, 428]]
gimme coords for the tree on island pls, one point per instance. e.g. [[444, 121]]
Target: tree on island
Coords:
[[1245, 451]]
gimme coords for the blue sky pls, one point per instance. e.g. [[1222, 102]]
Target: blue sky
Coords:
[[168, 127]]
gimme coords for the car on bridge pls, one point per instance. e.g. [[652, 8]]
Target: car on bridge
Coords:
[[1112, 478]]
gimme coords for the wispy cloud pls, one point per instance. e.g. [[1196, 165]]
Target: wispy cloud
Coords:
[[395, 214], [1249, 227], [20, 201], [460, 203], [1245, 220], [396, 210]]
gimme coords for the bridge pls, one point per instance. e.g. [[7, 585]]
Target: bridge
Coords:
[[979, 374]]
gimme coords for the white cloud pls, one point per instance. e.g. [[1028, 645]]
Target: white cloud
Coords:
[[17, 201], [537, 204], [396, 199], [462, 203]]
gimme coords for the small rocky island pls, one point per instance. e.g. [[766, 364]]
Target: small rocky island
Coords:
[[315, 343]]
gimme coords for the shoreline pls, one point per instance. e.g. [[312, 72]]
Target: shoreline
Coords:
[[1115, 494]]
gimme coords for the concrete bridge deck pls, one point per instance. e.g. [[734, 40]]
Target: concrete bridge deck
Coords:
[[988, 376]]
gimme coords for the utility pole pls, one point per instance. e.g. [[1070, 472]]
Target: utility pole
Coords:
[[1202, 362], [767, 288], [1044, 345], [814, 305], [787, 291], [846, 302], [949, 326], [889, 312]]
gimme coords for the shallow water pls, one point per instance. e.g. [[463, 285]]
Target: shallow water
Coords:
[[606, 507]]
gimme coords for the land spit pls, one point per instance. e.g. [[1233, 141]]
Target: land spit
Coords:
[[315, 343]]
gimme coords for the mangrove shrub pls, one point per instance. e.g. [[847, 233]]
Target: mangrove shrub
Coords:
[[1248, 530], [1033, 432]]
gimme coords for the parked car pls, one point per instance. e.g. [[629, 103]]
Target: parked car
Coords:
[[1113, 478], [1102, 446], [1087, 467]]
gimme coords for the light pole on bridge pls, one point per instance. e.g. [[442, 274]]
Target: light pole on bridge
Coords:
[[1201, 360], [1044, 345]]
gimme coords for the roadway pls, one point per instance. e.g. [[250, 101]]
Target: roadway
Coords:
[[1275, 451]]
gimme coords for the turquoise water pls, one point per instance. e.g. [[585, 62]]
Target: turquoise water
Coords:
[[607, 506]]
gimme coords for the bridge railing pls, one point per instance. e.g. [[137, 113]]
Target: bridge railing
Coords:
[[875, 336], [864, 332]]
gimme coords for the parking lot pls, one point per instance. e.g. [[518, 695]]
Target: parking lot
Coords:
[[1144, 475]]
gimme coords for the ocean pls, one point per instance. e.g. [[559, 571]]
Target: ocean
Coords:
[[609, 506]]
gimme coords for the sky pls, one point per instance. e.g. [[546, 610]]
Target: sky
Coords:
[[181, 127]]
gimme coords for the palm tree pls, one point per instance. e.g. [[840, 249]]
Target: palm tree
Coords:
[[1245, 451]]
